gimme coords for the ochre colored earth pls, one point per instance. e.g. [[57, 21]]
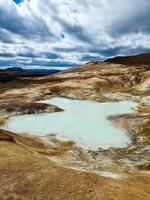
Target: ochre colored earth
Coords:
[[44, 168]]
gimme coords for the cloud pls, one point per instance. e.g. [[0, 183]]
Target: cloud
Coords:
[[26, 25], [37, 32]]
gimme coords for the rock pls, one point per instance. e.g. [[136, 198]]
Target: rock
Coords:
[[131, 149], [145, 86]]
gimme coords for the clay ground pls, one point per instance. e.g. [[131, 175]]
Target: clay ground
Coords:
[[27, 171]]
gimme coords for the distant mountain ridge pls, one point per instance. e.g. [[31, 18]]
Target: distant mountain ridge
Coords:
[[38, 71], [17, 73], [140, 59], [14, 69]]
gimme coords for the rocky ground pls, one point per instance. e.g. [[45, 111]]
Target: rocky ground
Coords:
[[46, 168]]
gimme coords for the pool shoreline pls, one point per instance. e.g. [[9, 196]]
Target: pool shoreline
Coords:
[[60, 137]]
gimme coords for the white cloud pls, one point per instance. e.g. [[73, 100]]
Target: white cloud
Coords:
[[74, 29]]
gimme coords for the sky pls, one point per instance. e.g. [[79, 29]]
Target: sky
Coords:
[[66, 33]]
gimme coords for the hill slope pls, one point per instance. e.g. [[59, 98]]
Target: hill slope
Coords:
[[141, 59], [44, 164]]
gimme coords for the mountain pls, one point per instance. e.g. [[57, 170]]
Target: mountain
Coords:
[[14, 69], [37, 71], [141, 59], [17, 73]]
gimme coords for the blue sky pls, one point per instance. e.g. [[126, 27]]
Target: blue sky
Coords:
[[54, 33], [18, 1]]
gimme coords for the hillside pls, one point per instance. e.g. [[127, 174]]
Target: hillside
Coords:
[[141, 59], [60, 169]]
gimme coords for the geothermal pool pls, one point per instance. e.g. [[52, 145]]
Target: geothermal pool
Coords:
[[83, 122]]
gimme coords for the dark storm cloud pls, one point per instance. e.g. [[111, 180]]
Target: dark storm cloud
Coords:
[[5, 37], [67, 50], [6, 55], [103, 54], [91, 58], [32, 54], [33, 28], [77, 31], [136, 23], [98, 54]]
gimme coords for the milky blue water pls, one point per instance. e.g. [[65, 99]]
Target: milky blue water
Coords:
[[84, 122]]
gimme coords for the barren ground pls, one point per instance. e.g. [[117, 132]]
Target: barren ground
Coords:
[[46, 168]]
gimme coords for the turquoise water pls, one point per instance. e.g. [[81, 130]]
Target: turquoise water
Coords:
[[84, 122]]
